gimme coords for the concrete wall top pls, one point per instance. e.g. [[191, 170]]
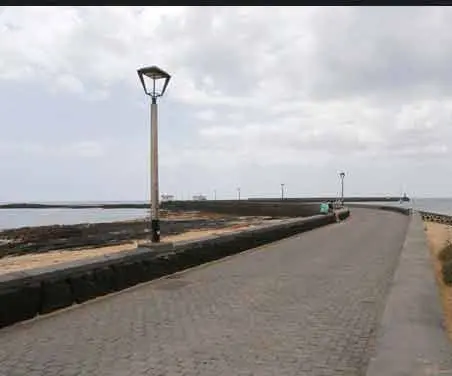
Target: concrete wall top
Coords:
[[247, 208], [412, 339], [405, 211]]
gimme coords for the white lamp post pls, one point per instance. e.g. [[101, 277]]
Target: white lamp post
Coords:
[[154, 81], [342, 176]]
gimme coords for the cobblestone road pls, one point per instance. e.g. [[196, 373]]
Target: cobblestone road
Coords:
[[308, 305]]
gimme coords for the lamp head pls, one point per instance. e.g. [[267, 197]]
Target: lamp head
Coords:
[[154, 77]]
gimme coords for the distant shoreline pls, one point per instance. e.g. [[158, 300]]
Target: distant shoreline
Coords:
[[73, 206], [23, 205]]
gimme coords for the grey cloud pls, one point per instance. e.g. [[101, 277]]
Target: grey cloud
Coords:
[[302, 93], [214, 52], [383, 51]]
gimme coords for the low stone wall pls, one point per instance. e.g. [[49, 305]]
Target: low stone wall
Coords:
[[247, 208], [412, 339], [334, 198], [404, 211], [26, 294]]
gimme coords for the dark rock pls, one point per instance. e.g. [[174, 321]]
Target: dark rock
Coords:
[[84, 286], [19, 303], [55, 294], [342, 214], [160, 266], [129, 274], [105, 280], [120, 277]]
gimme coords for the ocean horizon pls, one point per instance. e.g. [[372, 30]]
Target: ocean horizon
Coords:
[[15, 218]]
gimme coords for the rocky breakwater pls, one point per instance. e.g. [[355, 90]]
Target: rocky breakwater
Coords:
[[27, 240]]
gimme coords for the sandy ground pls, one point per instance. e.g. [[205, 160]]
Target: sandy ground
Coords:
[[438, 234], [19, 263]]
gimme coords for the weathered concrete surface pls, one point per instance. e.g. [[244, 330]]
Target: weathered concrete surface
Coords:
[[308, 305], [412, 340]]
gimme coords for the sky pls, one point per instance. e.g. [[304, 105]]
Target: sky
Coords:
[[258, 96]]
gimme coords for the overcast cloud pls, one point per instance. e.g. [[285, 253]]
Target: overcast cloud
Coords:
[[259, 96]]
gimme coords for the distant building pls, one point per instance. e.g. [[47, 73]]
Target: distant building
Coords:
[[199, 198], [167, 197]]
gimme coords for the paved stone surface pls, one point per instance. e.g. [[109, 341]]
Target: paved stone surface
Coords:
[[308, 305]]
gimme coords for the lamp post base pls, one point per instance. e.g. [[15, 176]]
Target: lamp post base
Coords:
[[155, 231]]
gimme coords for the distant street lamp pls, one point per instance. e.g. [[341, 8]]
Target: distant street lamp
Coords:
[[282, 191], [159, 80], [342, 176], [238, 193], [215, 194]]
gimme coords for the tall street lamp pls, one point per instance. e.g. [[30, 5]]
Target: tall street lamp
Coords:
[[154, 81], [238, 193], [282, 191], [342, 176]]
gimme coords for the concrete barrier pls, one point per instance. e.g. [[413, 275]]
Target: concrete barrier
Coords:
[[334, 198], [26, 294], [397, 209], [412, 339], [247, 208]]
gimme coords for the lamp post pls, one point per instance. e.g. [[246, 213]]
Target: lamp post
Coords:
[[238, 193], [282, 191], [215, 194], [158, 79], [342, 176]]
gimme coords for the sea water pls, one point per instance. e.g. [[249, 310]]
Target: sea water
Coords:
[[14, 218]]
